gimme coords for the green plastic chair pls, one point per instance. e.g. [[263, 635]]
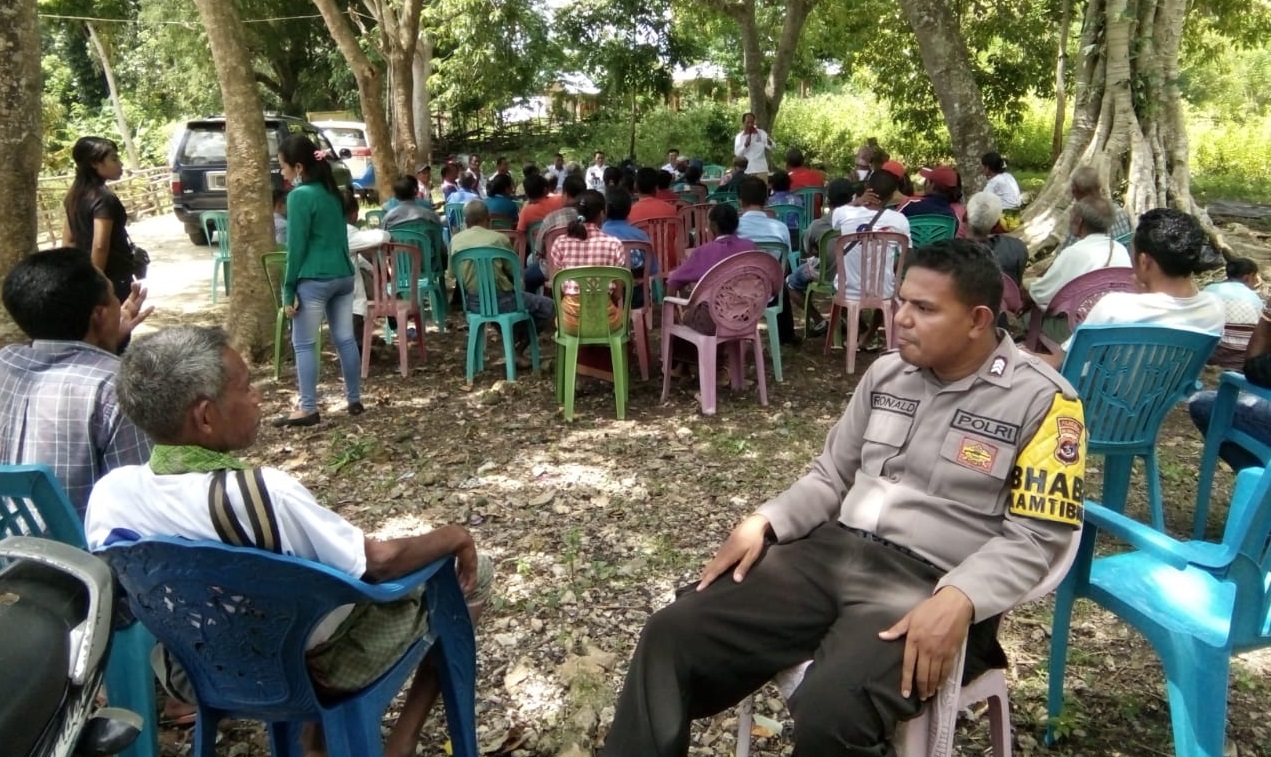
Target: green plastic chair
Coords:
[[427, 238], [484, 259], [712, 171], [813, 198], [824, 283], [593, 328], [275, 265], [770, 313], [1125, 238], [501, 221], [787, 212], [717, 197], [925, 229], [374, 219], [218, 221], [454, 221]]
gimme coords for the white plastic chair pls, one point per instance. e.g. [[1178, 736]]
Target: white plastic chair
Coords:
[[931, 733]]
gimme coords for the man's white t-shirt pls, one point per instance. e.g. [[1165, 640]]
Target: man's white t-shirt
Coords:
[[1090, 253], [596, 177], [851, 219], [1203, 312], [132, 502], [755, 153], [1005, 187]]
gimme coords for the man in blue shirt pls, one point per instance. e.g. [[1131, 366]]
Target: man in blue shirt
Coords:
[[756, 225], [617, 208]]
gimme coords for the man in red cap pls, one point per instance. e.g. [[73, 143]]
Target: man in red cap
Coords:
[[943, 196], [905, 189]]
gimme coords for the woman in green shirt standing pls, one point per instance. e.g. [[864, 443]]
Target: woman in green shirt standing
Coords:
[[319, 277]]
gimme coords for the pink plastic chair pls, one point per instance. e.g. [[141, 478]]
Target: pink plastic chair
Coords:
[[880, 253], [642, 317], [394, 292], [670, 238], [1075, 299], [694, 218], [931, 733], [1012, 299], [735, 292]]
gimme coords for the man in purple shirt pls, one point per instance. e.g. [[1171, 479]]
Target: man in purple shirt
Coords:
[[723, 220]]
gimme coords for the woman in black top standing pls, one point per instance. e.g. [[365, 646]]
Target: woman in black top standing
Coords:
[[95, 218]]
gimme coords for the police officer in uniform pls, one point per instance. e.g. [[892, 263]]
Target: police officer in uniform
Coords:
[[943, 496]]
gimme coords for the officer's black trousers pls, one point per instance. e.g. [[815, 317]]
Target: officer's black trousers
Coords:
[[824, 597]]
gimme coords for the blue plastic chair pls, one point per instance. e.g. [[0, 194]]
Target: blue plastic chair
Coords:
[[484, 259], [1129, 377], [1198, 603], [32, 503], [374, 218], [234, 619], [427, 238], [218, 221], [1230, 385]]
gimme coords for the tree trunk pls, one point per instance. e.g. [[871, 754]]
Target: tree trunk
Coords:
[[421, 72], [121, 121], [370, 90], [948, 63], [766, 79], [21, 129], [635, 116], [398, 40], [1061, 82], [1127, 117], [251, 309]]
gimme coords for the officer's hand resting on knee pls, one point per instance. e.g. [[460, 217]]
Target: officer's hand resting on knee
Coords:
[[742, 548], [934, 632]]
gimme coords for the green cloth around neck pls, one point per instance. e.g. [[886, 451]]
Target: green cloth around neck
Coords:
[[174, 459]]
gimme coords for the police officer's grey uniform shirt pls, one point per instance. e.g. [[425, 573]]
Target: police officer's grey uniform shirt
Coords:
[[982, 476]]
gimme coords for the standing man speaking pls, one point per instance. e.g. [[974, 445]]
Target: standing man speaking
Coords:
[[753, 144]]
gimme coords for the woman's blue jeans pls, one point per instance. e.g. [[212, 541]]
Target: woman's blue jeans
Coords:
[[334, 299]]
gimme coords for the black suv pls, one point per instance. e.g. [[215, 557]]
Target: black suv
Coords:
[[198, 166]]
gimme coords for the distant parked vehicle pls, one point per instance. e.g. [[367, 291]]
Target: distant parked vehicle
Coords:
[[354, 148], [198, 166]]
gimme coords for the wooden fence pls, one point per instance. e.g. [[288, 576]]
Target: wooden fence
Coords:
[[144, 193]]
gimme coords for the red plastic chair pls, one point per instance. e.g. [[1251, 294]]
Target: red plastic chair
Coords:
[[1075, 299], [394, 292], [734, 292], [697, 227], [879, 253], [1230, 352], [642, 317], [670, 238]]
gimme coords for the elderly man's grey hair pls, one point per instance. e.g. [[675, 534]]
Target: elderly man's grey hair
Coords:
[[1085, 182], [162, 374], [475, 213], [1095, 214], [983, 211]]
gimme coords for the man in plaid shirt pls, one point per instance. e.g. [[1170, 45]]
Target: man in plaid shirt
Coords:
[[57, 394]]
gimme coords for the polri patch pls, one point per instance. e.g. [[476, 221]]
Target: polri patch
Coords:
[[893, 404], [998, 368], [976, 455], [1068, 439], [1007, 433]]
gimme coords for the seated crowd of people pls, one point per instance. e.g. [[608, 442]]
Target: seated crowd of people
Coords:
[[893, 549]]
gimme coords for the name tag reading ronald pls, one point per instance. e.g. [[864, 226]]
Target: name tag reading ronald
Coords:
[[1048, 481]]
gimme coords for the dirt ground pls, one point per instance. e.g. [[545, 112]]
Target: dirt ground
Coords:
[[593, 524]]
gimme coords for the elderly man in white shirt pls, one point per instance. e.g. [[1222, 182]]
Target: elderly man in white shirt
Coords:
[[753, 144], [1094, 249]]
